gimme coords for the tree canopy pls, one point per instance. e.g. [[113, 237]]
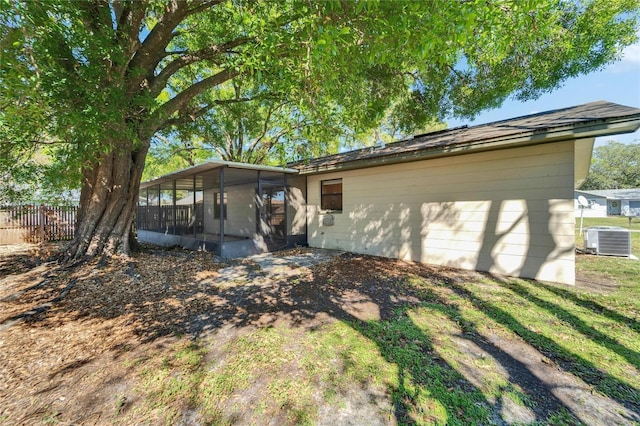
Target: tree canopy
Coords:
[[268, 130], [261, 128], [614, 166], [95, 81]]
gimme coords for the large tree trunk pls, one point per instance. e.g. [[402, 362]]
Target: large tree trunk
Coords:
[[107, 204]]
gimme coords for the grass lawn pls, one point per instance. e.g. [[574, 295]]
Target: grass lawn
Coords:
[[356, 340]]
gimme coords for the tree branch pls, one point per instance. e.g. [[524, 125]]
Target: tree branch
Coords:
[[200, 5], [148, 54], [265, 128], [129, 20], [268, 146], [191, 115], [118, 7], [158, 83], [223, 155], [152, 50], [181, 100], [187, 116]]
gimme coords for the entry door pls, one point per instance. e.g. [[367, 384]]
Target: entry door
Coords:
[[614, 207], [273, 213]]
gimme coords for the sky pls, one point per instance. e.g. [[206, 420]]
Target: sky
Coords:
[[618, 83]]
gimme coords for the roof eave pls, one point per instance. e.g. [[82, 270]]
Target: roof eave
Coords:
[[213, 165], [598, 128]]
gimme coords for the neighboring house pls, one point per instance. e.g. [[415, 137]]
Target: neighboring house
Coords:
[[610, 202], [597, 205], [496, 197]]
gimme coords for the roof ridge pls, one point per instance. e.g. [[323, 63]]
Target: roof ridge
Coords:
[[551, 111], [426, 136], [596, 115]]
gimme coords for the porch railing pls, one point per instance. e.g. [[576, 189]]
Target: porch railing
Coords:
[[178, 220]]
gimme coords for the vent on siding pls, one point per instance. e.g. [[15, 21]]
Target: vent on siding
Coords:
[[608, 240]]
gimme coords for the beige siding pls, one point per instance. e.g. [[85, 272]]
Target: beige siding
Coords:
[[241, 212], [507, 212], [296, 201], [211, 226]]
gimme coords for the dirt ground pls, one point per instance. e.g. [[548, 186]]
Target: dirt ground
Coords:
[[66, 333]]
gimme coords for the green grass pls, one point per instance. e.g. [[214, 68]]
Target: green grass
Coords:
[[609, 221], [432, 360], [419, 357], [284, 371], [600, 348]]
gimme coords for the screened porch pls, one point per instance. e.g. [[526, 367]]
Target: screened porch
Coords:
[[232, 209]]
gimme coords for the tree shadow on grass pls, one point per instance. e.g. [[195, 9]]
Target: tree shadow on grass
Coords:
[[520, 379], [569, 361], [425, 381], [421, 371], [428, 388], [593, 306], [576, 323], [396, 332], [180, 299]]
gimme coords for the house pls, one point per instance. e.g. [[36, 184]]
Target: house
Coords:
[[496, 197], [610, 202], [596, 204]]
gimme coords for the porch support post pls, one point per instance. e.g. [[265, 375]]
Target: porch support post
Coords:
[[146, 210], [159, 209], [195, 218], [223, 210], [285, 190], [259, 227], [175, 213]]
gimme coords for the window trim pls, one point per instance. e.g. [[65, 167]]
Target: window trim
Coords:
[[322, 194]]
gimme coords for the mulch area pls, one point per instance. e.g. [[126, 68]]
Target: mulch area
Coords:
[[65, 331]]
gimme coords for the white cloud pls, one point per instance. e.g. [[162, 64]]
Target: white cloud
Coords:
[[630, 59], [631, 54]]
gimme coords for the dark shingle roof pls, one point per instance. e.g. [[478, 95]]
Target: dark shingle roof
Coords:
[[534, 126]]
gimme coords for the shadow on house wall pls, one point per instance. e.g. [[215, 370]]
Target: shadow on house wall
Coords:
[[511, 214]]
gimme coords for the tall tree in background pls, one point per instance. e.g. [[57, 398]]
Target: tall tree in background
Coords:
[[614, 166], [265, 129], [260, 127], [96, 80]]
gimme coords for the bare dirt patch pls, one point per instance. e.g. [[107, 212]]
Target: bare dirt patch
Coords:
[[594, 283], [71, 339]]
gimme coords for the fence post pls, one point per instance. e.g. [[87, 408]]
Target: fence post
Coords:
[[41, 220]]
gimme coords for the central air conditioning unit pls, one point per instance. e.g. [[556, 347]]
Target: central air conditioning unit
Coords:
[[608, 240]]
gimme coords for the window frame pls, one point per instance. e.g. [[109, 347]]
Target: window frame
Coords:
[[324, 197]]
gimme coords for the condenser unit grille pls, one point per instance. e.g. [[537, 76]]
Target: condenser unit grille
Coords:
[[610, 241], [616, 243]]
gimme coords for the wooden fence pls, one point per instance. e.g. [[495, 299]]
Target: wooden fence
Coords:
[[36, 223]]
